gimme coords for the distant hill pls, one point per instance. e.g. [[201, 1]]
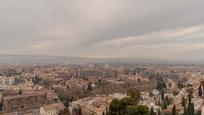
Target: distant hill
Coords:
[[26, 59]]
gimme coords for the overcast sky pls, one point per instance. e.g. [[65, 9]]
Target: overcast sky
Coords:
[[164, 29]]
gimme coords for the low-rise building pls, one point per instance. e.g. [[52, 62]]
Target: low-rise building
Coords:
[[23, 101], [5, 81], [95, 105], [51, 109]]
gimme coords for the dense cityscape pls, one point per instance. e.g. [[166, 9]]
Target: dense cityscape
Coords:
[[101, 89]]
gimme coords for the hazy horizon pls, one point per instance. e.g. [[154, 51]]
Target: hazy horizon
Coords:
[[166, 30]]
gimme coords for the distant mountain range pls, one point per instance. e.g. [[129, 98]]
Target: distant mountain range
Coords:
[[27, 59]]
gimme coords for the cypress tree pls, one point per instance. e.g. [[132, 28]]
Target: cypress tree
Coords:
[[189, 106], [162, 95], [200, 92], [79, 112], [167, 100], [152, 111], [164, 104], [190, 109], [174, 110], [89, 87], [189, 101], [185, 111], [159, 112], [183, 101]]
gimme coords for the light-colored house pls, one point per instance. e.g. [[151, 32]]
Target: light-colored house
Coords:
[[52, 109]]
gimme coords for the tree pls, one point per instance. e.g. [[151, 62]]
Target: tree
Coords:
[[174, 110], [159, 112], [116, 107], [152, 111], [128, 105], [89, 87], [142, 110], [65, 112], [79, 112], [137, 110], [127, 101], [20, 92], [189, 100], [161, 85], [190, 92], [200, 92], [183, 101], [164, 105], [162, 95], [134, 94], [180, 85], [185, 111], [190, 108], [167, 100], [131, 110]]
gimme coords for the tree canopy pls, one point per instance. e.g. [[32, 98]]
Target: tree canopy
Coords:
[[128, 105]]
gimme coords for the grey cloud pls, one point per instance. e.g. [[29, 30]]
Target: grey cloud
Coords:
[[94, 28]]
